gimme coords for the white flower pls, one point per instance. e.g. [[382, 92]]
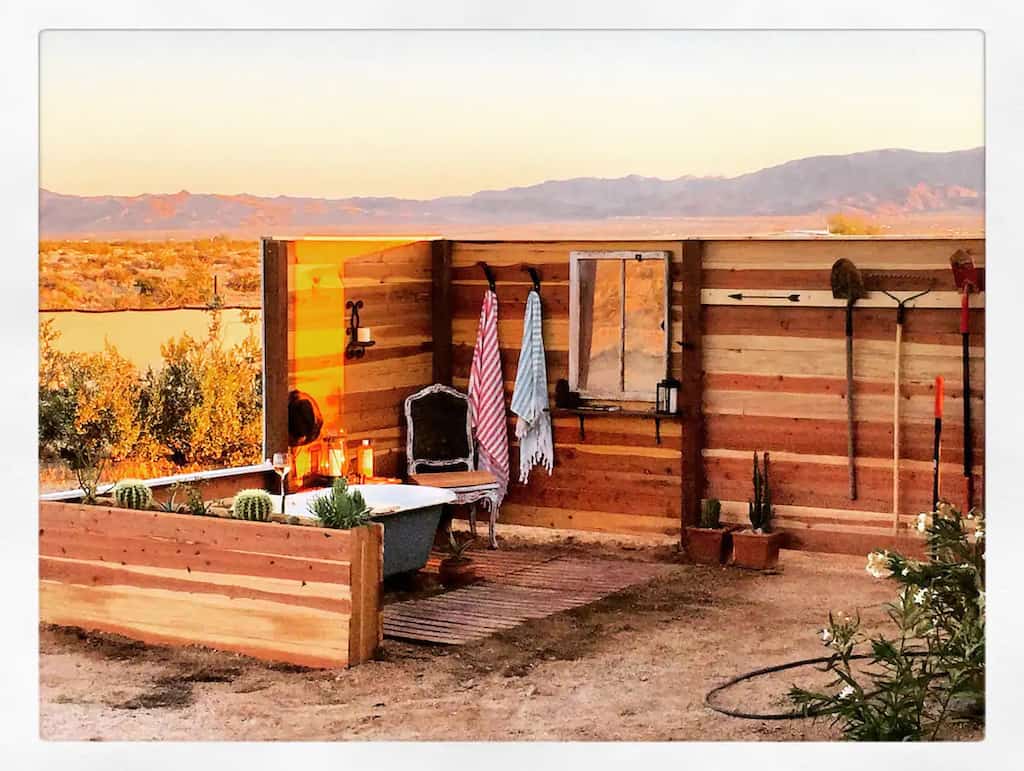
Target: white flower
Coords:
[[979, 533], [878, 564], [826, 636], [846, 693], [920, 596], [922, 522], [905, 572]]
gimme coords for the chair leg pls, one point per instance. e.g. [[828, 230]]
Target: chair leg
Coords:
[[493, 541], [472, 519]]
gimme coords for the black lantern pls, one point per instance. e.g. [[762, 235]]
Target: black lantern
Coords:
[[667, 402]]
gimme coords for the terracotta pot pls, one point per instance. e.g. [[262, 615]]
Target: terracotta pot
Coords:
[[759, 551], [708, 546], [457, 572]]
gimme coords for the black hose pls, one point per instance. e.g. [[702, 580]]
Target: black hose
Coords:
[[779, 668]]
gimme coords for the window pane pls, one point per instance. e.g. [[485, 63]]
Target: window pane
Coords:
[[645, 335], [600, 319]]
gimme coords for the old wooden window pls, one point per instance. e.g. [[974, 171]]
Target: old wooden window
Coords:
[[618, 324]]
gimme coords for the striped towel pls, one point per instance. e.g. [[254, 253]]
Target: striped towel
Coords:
[[487, 397], [530, 397]]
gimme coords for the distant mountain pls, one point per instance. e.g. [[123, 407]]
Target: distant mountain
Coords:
[[875, 182]]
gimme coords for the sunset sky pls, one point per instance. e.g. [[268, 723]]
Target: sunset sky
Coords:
[[423, 114]]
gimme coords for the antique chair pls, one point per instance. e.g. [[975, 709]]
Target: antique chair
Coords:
[[439, 451]]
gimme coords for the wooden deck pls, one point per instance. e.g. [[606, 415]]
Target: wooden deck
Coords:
[[516, 587]]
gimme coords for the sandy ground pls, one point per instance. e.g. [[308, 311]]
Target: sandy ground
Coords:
[[634, 666]]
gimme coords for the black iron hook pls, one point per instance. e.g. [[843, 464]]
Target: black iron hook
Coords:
[[489, 273], [535, 276]]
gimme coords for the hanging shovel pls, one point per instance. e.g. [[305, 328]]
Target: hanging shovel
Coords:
[[847, 284], [901, 307], [965, 274]]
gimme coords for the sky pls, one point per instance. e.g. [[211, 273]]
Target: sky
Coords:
[[426, 114]]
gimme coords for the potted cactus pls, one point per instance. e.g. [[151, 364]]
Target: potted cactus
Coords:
[[457, 569], [758, 547], [132, 494], [708, 542]]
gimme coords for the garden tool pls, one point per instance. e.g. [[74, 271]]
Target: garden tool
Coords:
[[965, 274], [938, 439], [900, 313], [848, 285]]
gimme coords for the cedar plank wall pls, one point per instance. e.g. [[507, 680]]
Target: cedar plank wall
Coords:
[[617, 480], [773, 380], [362, 396]]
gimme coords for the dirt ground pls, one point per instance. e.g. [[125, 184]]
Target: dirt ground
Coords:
[[634, 666]]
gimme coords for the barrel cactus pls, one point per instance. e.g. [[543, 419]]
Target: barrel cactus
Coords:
[[132, 494], [253, 505]]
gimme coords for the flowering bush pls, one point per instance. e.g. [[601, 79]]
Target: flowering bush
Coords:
[[933, 672]]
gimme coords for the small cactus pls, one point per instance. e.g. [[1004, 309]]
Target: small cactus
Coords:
[[132, 494], [710, 514], [760, 509], [253, 505]]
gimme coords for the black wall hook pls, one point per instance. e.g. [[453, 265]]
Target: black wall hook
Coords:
[[534, 275], [489, 273]]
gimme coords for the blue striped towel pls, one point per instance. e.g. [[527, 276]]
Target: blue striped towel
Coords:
[[530, 396]]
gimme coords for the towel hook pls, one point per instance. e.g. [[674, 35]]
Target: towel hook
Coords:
[[489, 273], [535, 276]]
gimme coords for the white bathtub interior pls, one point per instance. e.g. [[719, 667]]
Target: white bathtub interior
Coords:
[[382, 499]]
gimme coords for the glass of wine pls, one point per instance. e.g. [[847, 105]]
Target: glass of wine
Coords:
[[282, 466]]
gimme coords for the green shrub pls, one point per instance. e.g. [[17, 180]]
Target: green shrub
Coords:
[[254, 505], [340, 509], [133, 494], [932, 672]]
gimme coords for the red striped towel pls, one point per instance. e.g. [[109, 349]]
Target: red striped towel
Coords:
[[487, 396]]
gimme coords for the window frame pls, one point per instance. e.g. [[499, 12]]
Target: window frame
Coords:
[[575, 258]]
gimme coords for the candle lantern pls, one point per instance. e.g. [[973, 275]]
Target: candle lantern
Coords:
[[365, 460], [667, 401], [333, 464]]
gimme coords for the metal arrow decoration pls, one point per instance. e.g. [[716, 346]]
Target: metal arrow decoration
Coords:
[[793, 298]]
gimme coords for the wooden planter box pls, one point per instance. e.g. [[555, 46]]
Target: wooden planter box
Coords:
[[759, 551], [300, 595]]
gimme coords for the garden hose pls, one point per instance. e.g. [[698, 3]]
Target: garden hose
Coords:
[[778, 668]]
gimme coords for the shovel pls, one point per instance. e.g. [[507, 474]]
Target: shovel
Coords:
[[965, 274], [847, 284]]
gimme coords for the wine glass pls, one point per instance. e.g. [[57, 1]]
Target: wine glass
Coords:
[[282, 466]]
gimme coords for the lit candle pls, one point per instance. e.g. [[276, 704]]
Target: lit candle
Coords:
[[363, 335], [366, 459], [336, 461]]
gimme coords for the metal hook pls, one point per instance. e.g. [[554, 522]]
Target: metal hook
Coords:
[[489, 273], [535, 276]]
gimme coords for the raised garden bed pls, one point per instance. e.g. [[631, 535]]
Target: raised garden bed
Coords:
[[279, 592]]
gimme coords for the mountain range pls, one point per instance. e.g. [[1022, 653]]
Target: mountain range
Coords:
[[891, 181]]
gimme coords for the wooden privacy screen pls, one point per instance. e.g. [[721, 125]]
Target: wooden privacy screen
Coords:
[[771, 378], [767, 374], [362, 396], [301, 595]]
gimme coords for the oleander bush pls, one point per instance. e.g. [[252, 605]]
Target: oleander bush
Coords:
[[930, 673]]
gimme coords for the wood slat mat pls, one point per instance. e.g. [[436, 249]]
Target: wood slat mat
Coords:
[[530, 591]]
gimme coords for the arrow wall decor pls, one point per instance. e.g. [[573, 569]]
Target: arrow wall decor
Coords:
[[793, 298]]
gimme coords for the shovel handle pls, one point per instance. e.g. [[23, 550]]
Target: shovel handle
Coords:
[[849, 401]]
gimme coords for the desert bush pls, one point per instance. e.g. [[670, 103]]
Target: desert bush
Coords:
[[932, 672], [851, 225]]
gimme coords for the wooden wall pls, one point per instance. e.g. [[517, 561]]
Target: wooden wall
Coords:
[[773, 378], [278, 592], [364, 396]]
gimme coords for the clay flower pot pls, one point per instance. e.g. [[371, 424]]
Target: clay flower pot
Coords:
[[708, 546], [758, 551], [456, 572]]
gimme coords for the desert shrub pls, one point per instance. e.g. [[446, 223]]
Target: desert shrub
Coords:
[[246, 283], [87, 408], [932, 672], [851, 225]]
